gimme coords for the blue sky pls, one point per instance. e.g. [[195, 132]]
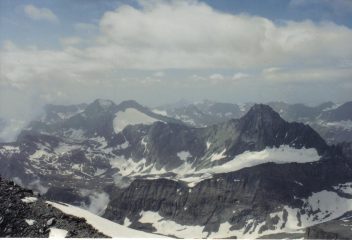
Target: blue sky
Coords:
[[64, 51]]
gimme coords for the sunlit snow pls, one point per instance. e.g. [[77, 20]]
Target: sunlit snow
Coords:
[[30, 222], [281, 155], [29, 199], [103, 225], [184, 155], [218, 156], [57, 233], [131, 116]]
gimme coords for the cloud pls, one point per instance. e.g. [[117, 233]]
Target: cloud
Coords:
[[216, 76], [190, 36], [240, 76], [70, 41], [40, 13], [10, 129], [159, 74], [37, 186], [98, 201]]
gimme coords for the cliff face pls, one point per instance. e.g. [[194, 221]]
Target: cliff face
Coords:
[[337, 229], [254, 202]]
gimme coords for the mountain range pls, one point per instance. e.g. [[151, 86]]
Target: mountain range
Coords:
[[207, 169], [332, 121]]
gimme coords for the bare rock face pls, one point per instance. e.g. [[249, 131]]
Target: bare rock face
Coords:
[[23, 214], [336, 229]]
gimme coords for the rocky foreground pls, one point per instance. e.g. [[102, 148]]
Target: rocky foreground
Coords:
[[24, 214]]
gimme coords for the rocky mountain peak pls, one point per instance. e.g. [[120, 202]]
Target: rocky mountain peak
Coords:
[[100, 105], [130, 104], [261, 113]]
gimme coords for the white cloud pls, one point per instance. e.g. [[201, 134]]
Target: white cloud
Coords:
[[159, 74], [216, 76], [36, 13], [240, 76], [183, 35], [188, 34], [70, 41]]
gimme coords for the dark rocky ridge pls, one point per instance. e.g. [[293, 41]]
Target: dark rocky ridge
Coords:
[[14, 212]]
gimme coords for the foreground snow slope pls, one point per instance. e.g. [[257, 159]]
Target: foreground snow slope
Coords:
[[103, 225]]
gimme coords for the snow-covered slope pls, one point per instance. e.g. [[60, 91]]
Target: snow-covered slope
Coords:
[[131, 116], [281, 155], [103, 225]]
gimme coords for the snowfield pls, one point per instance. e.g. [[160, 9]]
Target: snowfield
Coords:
[[283, 154], [131, 116], [103, 225]]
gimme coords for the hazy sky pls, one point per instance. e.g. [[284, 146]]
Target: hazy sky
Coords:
[[156, 52]]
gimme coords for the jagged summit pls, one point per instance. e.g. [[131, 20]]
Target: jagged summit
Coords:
[[262, 127], [262, 111], [131, 104], [261, 116], [100, 105]]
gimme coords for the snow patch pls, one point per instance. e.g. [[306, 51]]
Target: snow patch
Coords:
[[64, 148], [168, 227], [29, 199], [57, 233], [123, 145], [160, 112], [217, 156], [208, 145], [30, 222], [9, 149], [131, 116], [37, 155], [75, 134], [345, 188], [127, 222], [184, 155]]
